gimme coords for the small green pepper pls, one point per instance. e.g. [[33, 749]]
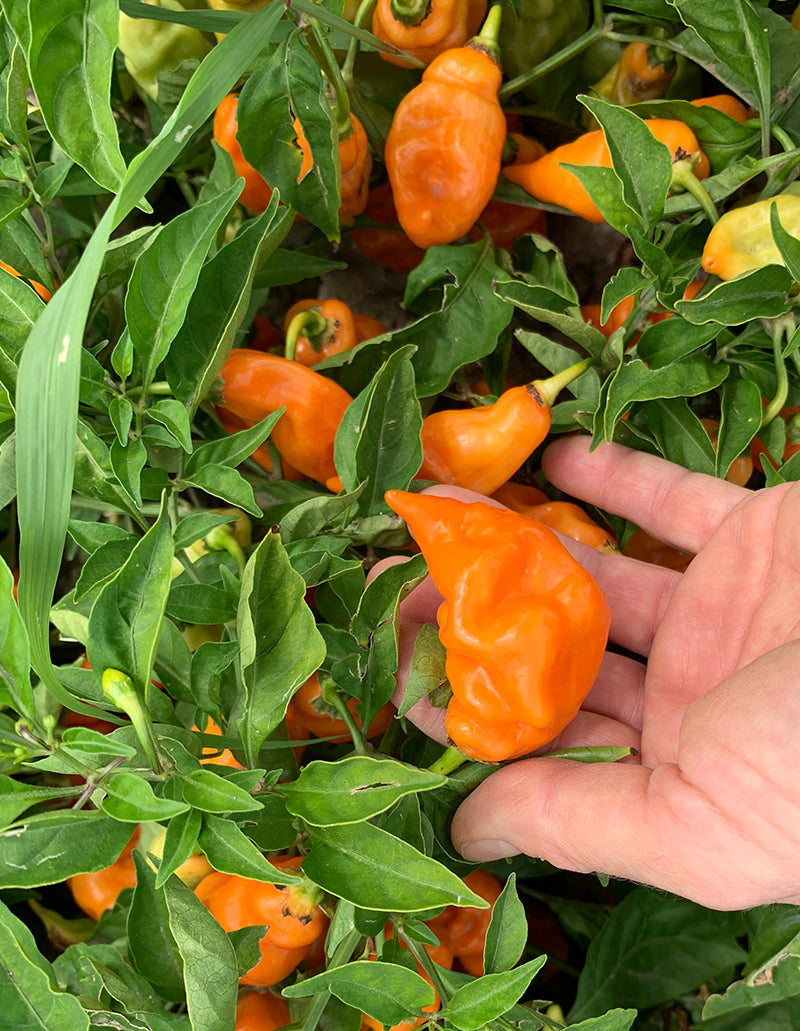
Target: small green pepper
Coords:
[[151, 47]]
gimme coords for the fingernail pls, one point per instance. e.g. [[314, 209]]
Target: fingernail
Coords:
[[484, 851]]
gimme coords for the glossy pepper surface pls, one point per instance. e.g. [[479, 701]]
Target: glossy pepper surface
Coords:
[[261, 1011], [547, 179], [315, 330], [564, 516], [463, 930], [355, 164], [445, 144], [425, 28], [257, 192], [96, 892], [480, 448], [742, 241], [256, 384], [40, 289], [524, 625], [151, 47], [385, 241], [291, 912]]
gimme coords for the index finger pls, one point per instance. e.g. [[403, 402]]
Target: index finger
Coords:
[[669, 502]]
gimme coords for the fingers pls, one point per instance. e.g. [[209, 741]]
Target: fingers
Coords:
[[670, 503], [619, 819]]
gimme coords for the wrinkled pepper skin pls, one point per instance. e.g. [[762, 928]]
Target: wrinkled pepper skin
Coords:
[[524, 625], [256, 384], [426, 30], [741, 240], [257, 192], [355, 163], [547, 180], [444, 148], [151, 47], [261, 1011], [291, 912]]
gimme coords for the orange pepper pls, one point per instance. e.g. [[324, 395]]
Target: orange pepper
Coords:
[[315, 330], [355, 168], [742, 467], [266, 336], [618, 315], [256, 195], [463, 928], [213, 755], [41, 290], [292, 914], [523, 624], [443, 957], [548, 181], [481, 448], [564, 516], [645, 548], [726, 103], [425, 28], [505, 222], [261, 1011], [96, 892], [444, 147], [386, 242], [308, 710], [256, 384], [638, 75]]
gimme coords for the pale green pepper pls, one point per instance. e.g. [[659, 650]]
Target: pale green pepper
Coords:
[[151, 47]]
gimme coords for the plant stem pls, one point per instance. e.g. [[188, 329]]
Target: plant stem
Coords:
[[449, 761]]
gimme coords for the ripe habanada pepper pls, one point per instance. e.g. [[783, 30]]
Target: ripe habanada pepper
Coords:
[[444, 147], [742, 239], [317, 329], [425, 28], [261, 1011], [547, 180], [463, 929], [564, 516], [355, 167], [40, 289], [385, 241], [309, 711], [256, 384], [257, 192], [481, 448], [506, 222], [96, 892], [727, 104], [443, 957], [523, 624], [291, 912]]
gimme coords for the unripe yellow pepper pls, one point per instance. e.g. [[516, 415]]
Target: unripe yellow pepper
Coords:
[[151, 47], [742, 239]]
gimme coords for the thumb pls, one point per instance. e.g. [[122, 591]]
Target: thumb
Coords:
[[624, 820]]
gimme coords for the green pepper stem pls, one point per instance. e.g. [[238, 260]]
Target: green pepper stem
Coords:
[[781, 328], [310, 323], [410, 12], [365, 9], [120, 690], [513, 86], [486, 39], [547, 390], [449, 761], [221, 538], [330, 694], [323, 53], [684, 180], [782, 137]]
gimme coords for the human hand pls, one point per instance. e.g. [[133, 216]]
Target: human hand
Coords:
[[710, 809]]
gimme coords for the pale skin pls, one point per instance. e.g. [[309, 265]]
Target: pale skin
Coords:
[[710, 809]]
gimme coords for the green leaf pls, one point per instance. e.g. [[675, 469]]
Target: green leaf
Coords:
[[152, 948], [234, 448], [374, 870], [211, 793], [760, 294], [427, 667], [642, 163], [17, 796], [210, 970], [219, 304], [740, 419], [604, 187], [290, 85], [378, 440], [654, 947], [171, 414], [125, 620], [27, 996], [15, 668], [680, 434], [280, 644], [14, 87], [165, 276], [69, 47], [229, 850], [51, 847], [507, 934], [180, 841], [353, 789], [386, 991], [486, 998], [672, 339], [131, 799], [788, 244]]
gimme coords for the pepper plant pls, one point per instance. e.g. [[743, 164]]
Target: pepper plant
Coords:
[[183, 584]]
